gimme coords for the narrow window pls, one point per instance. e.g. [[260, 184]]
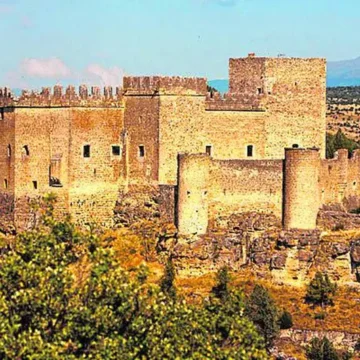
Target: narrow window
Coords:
[[26, 150], [35, 185], [9, 150], [2, 113], [86, 151], [141, 150], [259, 91], [116, 151], [5, 183], [295, 146], [250, 150], [209, 150]]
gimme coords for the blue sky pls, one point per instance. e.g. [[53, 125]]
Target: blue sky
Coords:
[[97, 41]]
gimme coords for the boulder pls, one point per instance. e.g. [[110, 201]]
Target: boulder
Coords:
[[355, 251], [278, 261]]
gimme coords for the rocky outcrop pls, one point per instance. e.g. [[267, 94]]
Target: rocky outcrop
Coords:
[[341, 340], [337, 220]]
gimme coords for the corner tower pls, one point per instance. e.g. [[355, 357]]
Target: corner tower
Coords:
[[293, 93]]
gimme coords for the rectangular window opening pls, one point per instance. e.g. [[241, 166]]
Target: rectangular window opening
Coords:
[[250, 150], [141, 150], [259, 91], [2, 113], [5, 183], [35, 184], [116, 150], [86, 151], [208, 150]]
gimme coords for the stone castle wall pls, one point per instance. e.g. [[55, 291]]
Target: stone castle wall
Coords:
[[271, 104], [293, 190]]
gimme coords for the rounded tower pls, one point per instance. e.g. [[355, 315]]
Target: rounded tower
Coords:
[[301, 193], [192, 205]]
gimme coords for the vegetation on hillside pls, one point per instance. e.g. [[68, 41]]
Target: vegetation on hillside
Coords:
[[47, 311], [339, 141], [343, 95]]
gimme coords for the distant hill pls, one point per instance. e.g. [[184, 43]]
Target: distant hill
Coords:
[[339, 73], [344, 73]]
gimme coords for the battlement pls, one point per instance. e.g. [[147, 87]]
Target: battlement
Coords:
[[166, 85], [94, 97], [233, 102]]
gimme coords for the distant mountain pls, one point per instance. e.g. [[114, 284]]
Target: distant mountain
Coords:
[[339, 73], [344, 73]]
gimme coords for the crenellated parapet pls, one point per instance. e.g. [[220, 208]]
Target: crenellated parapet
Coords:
[[215, 101], [84, 97], [165, 85]]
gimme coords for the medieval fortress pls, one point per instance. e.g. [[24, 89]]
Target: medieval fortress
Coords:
[[260, 147]]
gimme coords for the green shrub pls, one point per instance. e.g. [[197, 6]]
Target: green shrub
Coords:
[[285, 320], [320, 290]]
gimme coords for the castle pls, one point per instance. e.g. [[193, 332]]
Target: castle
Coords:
[[260, 147]]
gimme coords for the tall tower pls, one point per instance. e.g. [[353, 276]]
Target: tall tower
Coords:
[[301, 195]]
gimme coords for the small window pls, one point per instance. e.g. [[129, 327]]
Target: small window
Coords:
[[250, 150], [141, 151], [86, 151], [259, 91], [208, 150], [2, 114], [9, 150], [5, 183], [26, 150], [35, 185], [115, 150], [295, 146]]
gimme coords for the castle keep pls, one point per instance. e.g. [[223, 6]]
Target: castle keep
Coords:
[[205, 154]]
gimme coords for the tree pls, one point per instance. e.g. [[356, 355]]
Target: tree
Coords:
[[285, 320], [321, 349], [167, 281], [321, 290], [221, 288], [262, 311]]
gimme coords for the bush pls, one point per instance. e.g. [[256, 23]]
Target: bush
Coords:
[[320, 316], [321, 290], [323, 349], [285, 320], [262, 311], [221, 289]]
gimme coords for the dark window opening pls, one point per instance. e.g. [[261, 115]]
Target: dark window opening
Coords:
[[250, 150], [2, 113], [35, 185], [259, 91], [116, 151], [26, 150], [208, 150], [141, 150], [295, 146], [86, 151], [9, 150], [5, 183]]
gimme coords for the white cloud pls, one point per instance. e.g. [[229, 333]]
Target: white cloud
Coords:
[[106, 77], [34, 73], [45, 68]]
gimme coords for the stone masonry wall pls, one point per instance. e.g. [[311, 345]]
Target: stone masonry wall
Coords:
[[245, 185]]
